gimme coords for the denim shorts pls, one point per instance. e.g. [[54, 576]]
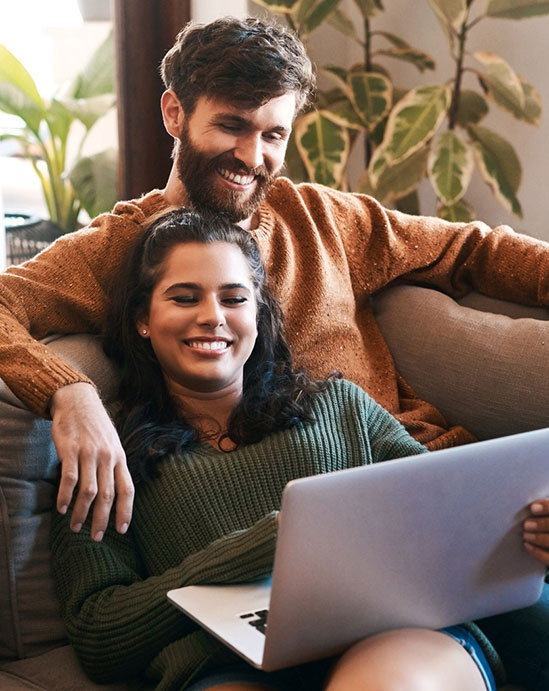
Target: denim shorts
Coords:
[[311, 676], [466, 639]]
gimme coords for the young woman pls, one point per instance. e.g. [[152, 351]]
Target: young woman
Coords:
[[215, 422]]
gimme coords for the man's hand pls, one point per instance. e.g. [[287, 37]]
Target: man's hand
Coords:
[[536, 531], [91, 456]]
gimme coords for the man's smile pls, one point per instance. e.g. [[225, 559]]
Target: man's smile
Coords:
[[236, 178]]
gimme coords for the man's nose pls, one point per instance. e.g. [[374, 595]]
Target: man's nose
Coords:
[[249, 150]]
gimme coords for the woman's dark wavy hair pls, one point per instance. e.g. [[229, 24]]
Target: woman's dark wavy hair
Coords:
[[275, 396]]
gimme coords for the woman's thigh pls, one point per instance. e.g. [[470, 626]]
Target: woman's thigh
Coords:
[[411, 659]]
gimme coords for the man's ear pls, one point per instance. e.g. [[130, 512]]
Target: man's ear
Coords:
[[172, 113]]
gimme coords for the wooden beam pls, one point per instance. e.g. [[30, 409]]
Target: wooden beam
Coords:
[[144, 31]]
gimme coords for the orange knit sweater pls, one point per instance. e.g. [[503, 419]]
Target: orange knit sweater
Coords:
[[326, 252]]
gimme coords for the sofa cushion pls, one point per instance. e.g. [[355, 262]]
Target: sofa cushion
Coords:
[[29, 468], [485, 371], [58, 670]]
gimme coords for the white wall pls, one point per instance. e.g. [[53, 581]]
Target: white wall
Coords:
[[522, 43]]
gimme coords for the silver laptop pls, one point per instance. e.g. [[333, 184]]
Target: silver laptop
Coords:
[[425, 541]]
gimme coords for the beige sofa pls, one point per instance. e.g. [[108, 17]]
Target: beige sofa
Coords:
[[482, 362]]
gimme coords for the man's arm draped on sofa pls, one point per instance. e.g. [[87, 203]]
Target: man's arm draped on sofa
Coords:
[[319, 244]]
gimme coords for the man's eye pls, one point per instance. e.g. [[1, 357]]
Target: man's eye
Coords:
[[229, 128]]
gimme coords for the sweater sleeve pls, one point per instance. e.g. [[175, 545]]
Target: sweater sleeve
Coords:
[[386, 436], [65, 289], [117, 618], [383, 245]]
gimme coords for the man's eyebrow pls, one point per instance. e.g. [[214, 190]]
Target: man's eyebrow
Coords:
[[244, 122]]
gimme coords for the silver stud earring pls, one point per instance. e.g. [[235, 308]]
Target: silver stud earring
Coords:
[[145, 332]]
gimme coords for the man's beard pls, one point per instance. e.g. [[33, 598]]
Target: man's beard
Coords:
[[196, 171]]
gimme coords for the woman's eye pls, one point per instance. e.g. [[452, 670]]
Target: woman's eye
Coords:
[[237, 300], [184, 299]]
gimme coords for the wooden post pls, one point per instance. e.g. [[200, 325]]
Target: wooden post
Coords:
[[144, 30]]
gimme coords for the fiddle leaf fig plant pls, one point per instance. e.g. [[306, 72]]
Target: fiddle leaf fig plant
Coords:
[[435, 131], [69, 183]]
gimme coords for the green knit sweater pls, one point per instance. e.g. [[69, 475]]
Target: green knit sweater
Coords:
[[207, 517]]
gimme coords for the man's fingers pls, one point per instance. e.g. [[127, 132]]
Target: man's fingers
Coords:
[[86, 493], [104, 498], [92, 459], [124, 496], [69, 479]]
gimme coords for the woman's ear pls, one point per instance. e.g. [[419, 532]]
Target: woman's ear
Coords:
[[142, 327], [172, 113]]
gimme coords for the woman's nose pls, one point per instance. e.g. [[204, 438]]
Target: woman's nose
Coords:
[[211, 314]]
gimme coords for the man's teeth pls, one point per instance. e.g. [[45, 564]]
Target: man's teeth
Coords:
[[209, 345], [233, 177]]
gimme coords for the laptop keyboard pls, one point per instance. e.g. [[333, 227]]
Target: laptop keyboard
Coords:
[[257, 619]]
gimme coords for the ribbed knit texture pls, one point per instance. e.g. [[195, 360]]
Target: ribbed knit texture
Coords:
[[326, 252], [208, 517]]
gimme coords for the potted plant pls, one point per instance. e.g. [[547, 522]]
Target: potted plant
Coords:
[[436, 131], [69, 183]]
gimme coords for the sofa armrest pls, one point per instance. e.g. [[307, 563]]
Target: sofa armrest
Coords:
[[29, 613], [484, 370]]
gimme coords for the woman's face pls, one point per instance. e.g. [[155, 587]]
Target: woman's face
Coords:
[[202, 319]]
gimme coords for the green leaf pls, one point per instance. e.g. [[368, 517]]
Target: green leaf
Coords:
[[409, 204], [12, 72], [499, 166], [416, 57], [403, 51], [450, 12], [369, 8], [371, 95], [59, 120], [294, 168], [460, 212], [517, 9], [338, 74], [95, 180], [278, 6], [340, 21], [311, 14], [414, 120], [15, 102], [399, 180], [88, 110], [450, 167], [472, 108], [501, 82], [97, 77], [18, 93], [343, 113], [324, 147], [532, 104]]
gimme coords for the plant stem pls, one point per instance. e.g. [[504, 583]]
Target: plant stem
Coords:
[[454, 105], [368, 68]]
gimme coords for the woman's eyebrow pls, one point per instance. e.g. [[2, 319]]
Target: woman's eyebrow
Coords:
[[197, 286], [184, 286], [232, 286]]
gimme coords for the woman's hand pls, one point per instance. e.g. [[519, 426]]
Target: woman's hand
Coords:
[[536, 531]]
